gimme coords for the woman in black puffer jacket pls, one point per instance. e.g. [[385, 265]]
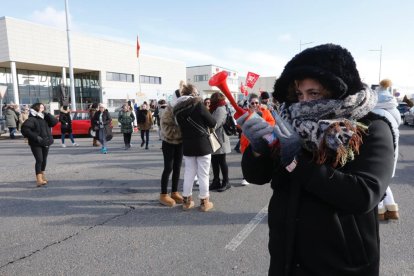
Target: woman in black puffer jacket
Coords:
[[194, 121], [37, 130]]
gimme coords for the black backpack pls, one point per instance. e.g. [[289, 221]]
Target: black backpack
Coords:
[[229, 126]]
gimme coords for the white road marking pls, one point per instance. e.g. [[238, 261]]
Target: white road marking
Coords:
[[245, 232]]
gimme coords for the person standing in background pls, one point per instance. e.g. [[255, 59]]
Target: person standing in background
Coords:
[[207, 102], [254, 106], [11, 120], [126, 118], [218, 110], [145, 121], [102, 124], [172, 150], [24, 115], [37, 130], [92, 110], [162, 104], [66, 125], [194, 120], [387, 107]]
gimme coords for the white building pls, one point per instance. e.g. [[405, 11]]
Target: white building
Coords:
[[200, 75], [34, 62]]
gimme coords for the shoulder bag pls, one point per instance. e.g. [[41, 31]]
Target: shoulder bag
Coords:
[[212, 136]]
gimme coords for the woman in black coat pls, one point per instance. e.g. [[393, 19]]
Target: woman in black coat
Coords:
[[37, 130], [102, 125], [194, 121], [329, 171], [66, 125]]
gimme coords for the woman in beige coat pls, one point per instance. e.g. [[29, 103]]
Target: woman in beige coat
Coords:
[[145, 122]]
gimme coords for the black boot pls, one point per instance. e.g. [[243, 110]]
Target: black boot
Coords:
[[225, 185], [215, 184]]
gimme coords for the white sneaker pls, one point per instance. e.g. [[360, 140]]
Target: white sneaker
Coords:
[[63, 146], [75, 145], [244, 182]]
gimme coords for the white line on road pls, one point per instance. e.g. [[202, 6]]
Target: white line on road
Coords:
[[245, 232]]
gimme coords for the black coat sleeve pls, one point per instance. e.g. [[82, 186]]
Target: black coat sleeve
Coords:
[[29, 129], [50, 119]]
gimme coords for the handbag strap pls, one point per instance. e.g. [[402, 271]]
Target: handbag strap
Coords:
[[197, 126]]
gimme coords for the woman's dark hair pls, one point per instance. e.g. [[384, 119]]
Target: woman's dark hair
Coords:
[[188, 90], [36, 106], [94, 105], [253, 96], [216, 97], [65, 107], [162, 101]]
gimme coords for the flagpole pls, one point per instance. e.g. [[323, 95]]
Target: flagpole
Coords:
[[139, 67]]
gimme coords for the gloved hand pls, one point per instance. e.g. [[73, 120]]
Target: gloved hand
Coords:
[[39, 140], [290, 142], [254, 128], [44, 142]]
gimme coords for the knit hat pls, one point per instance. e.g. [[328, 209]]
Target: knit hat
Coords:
[[330, 64], [386, 83], [264, 95]]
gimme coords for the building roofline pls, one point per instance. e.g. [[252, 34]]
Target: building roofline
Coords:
[[211, 65]]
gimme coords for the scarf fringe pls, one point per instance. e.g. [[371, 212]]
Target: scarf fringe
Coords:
[[343, 153]]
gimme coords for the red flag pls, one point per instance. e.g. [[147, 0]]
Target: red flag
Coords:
[[243, 89], [251, 79], [138, 47]]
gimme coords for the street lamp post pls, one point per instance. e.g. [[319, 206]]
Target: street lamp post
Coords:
[[380, 56], [72, 79], [301, 44]]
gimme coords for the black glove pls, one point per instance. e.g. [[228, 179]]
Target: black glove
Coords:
[[44, 142], [39, 140]]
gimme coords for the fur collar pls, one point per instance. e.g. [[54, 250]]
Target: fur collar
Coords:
[[186, 104]]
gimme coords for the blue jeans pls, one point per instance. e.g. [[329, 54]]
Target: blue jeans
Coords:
[[70, 137], [12, 131], [102, 137]]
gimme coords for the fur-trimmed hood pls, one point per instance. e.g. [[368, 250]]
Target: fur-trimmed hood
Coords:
[[186, 104]]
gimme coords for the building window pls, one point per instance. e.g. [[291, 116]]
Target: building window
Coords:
[[198, 78], [150, 79], [112, 76]]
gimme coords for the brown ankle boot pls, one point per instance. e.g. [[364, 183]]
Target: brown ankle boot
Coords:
[[43, 176], [39, 180], [95, 142], [177, 197], [188, 203], [206, 205], [166, 200], [392, 212], [381, 214]]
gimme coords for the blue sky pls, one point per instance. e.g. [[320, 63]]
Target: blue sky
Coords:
[[259, 36]]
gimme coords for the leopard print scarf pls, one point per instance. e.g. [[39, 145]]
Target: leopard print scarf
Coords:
[[329, 127]]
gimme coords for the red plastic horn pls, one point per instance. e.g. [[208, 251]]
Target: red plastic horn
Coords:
[[219, 80]]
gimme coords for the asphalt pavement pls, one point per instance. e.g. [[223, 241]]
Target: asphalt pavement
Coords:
[[99, 215]]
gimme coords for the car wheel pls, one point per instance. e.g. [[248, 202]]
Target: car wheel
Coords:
[[92, 132]]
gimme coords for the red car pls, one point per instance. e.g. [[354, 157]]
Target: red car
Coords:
[[81, 124]]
